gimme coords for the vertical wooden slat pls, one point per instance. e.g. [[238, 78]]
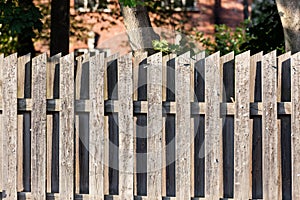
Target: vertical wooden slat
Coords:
[[154, 127], [10, 127], [271, 141], [1, 127], [183, 125], [295, 118], [66, 140], [126, 154], [212, 127], [242, 142], [96, 138], [38, 128]]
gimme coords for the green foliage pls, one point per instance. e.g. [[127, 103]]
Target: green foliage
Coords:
[[263, 33], [226, 39], [16, 20], [266, 32], [132, 3]]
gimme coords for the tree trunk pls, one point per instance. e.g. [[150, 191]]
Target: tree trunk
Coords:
[[246, 9], [60, 27], [289, 11], [25, 43], [139, 29], [217, 11]]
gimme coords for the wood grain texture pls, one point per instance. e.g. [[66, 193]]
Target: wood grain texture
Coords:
[[126, 151], [66, 129], [183, 126], [295, 128], [1, 122], [212, 127], [96, 144], [154, 127], [242, 135], [38, 128], [271, 139], [10, 126]]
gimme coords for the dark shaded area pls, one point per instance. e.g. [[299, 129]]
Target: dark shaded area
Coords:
[[112, 80], [141, 134], [60, 27]]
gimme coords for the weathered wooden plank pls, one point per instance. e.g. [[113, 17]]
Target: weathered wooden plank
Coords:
[[271, 141], [212, 127], [295, 126], [38, 128], [96, 144], [66, 140], [1, 122], [140, 107], [154, 126], [126, 151], [183, 126], [10, 127], [242, 136]]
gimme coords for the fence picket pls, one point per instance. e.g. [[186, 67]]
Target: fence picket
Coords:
[[183, 126], [212, 127], [38, 128], [154, 127], [10, 127], [39, 98], [271, 141], [66, 126], [96, 143], [242, 138], [1, 126], [295, 118], [126, 154]]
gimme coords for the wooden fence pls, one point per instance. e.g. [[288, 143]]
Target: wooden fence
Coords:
[[158, 127]]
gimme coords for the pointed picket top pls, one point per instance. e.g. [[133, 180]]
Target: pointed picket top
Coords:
[[10, 126], [213, 158], [242, 135]]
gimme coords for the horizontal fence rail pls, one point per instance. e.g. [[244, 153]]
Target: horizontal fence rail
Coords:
[[156, 127]]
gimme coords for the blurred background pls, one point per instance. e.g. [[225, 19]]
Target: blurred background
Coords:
[[38, 26]]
